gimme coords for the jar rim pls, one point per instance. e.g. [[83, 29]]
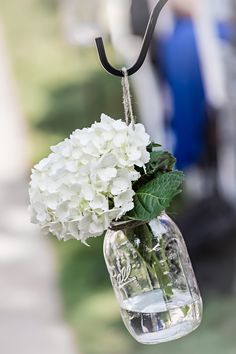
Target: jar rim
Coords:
[[123, 225], [129, 224]]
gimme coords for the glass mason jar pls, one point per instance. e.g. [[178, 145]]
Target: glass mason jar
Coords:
[[153, 280]]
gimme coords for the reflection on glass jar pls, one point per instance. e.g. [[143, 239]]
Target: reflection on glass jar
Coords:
[[153, 280]]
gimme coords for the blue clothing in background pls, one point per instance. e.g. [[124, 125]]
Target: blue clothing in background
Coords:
[[180, 65], [179, 61]]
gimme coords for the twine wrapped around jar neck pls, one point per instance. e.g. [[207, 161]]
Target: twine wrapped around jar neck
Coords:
[[130, 224], [124, 225]]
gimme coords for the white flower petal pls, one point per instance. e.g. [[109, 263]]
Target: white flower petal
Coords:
[[133, 153], [107, 160], [119, 125], [88, 192], [119, 185], [62, 211], [99, 202], [106, 174], [119, 139]]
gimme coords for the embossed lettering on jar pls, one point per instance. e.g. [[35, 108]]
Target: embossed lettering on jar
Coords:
[[153, 280]]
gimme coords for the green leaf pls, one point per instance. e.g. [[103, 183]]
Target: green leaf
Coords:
[[160, 161], [152, 146], [155, 196]]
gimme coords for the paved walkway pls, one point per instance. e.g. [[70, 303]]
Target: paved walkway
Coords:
[[30, 311]]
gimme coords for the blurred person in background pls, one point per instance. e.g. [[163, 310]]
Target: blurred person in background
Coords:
[[178, 56], [193, 68]]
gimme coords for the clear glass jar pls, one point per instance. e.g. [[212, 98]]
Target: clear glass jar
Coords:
[[153, 280]]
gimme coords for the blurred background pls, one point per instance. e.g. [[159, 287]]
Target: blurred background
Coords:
[[56, 297]]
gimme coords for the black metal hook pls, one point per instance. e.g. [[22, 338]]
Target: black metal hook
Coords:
[[145, 46]]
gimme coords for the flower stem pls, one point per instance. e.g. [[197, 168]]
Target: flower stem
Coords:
[[155, 258]]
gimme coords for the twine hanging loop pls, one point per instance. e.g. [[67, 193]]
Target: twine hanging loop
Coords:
[[127, 101]]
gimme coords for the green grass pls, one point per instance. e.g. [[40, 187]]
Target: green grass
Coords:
[[62, 88]]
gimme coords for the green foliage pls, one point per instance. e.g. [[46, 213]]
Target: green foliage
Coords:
[[155, 196], [157, 186], [152, 146], [160, 161]]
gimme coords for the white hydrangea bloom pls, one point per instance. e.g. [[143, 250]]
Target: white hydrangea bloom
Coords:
[[86, 182]]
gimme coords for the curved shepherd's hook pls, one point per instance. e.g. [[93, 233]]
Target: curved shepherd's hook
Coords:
[[145, 46]]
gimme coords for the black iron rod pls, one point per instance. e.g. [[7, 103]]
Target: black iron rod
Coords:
[[144, 50]]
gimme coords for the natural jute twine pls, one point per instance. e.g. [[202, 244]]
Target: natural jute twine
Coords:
[[127, 101]]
